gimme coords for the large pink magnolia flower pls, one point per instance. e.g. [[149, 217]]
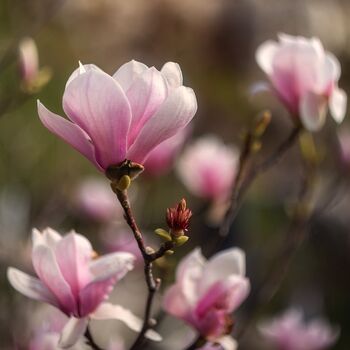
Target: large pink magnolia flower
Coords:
[[74, 282], [207, 292], [208, 167], [289, 332], [124, 116], [305, 77]]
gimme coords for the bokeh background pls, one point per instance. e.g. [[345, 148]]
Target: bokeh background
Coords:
[[214, 41]]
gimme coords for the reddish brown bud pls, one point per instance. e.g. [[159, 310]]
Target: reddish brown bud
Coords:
[[178, 219]]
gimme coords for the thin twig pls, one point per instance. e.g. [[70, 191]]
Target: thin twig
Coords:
[[242, 183], [90, 340], [149, 257], [294, 238]]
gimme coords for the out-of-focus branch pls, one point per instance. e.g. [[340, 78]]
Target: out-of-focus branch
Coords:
[[242, 183], [295, 236]]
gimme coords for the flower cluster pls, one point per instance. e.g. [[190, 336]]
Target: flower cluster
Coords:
[[138, 118]]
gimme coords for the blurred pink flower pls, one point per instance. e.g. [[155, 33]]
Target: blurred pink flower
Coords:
[[208, 167], [207, 292], [305, 77], [74, 282], [124, 116], [95, 199], [116, 239], [289, 332], [47, 335], [161, 159], [28, 60]]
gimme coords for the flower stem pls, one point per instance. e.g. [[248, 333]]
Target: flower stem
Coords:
[[242, 183], [148, 258]]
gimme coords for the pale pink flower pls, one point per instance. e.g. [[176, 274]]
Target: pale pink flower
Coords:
[[124, 116], [208, 168], [28, 60], [206, 292], [161, 159], [74, 282], [305, 77], [290, 332], [95, 200]]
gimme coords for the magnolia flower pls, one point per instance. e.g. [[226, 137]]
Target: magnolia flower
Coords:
[[28, 60], [207, 292], [124, 116], [74, 282], [208, 168], [33, 78], [95, 199], [305, 77], [161, 159], [289, 332]]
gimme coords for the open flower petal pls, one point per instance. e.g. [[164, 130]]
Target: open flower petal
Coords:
[[106, 271], [189, 273], [222, 265], [172, 72], [128, 72], [72, 331], [73, 252], [146, 94], [337, 105], [69, 132], [48, 237], [29, 286], [173, 115], [97, 103], [117, 312], [83, 68], [313, 110], [265, 54], [47, 269], [225, 295]]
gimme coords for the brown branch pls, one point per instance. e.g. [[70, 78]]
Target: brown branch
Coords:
[[149, 257], [242, 183], [294, 238]]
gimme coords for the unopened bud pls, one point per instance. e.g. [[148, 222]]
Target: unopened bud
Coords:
[[178, 219], [169, 252], [262, 123]]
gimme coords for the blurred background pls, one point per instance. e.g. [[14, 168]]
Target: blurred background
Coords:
[[214, 41]]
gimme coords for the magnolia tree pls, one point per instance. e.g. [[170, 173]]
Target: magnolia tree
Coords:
[[138, 119]]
